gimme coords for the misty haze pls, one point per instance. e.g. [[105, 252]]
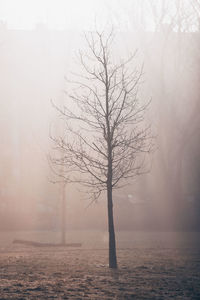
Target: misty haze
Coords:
[[100, 168]]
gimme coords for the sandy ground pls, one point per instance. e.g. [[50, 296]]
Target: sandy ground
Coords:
[[63, 273]]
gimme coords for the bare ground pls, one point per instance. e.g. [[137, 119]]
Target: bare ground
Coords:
[[60, 273]]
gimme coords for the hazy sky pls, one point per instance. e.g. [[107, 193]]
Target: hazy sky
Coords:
[[57, 14], [81, 14]]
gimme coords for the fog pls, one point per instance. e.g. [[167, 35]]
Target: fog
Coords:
[[39, 42]]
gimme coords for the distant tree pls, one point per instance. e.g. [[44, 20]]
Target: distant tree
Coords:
[[106, 140], [58, 177], [177, 23]]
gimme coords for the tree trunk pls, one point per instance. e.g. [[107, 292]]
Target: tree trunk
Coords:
[[111, 230], [63, 212]]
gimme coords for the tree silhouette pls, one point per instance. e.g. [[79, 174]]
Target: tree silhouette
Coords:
[[106, 140]]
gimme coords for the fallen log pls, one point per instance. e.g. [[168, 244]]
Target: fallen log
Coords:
[[38, 244]]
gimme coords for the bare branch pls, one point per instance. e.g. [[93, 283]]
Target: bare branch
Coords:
[[105, 134]]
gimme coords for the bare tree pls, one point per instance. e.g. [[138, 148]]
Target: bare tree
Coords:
[[58, 176], [106, 139], [182, 20]]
